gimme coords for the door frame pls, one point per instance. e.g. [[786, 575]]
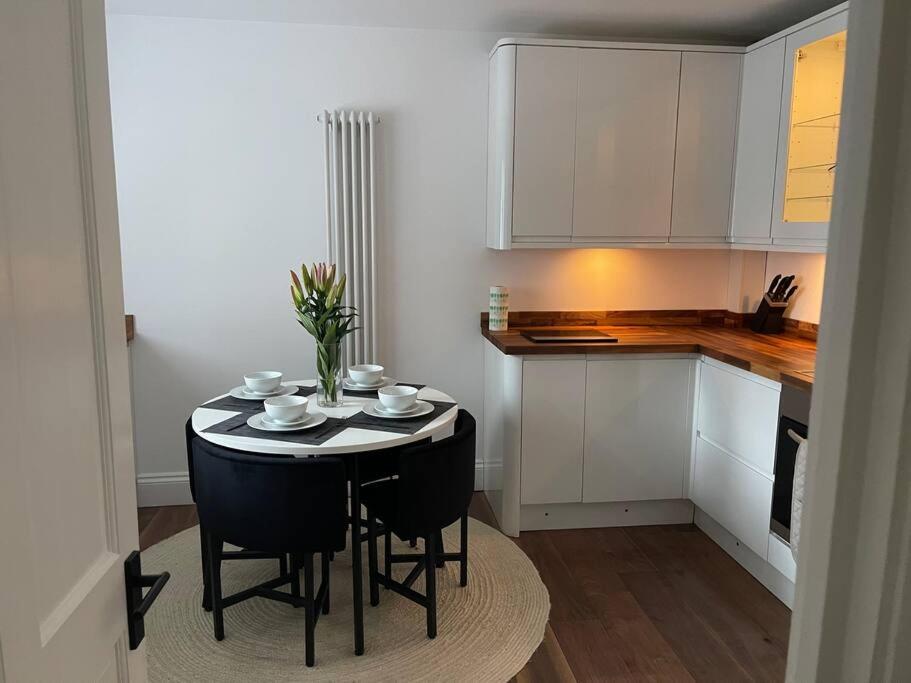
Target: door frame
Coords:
[[852, 615]]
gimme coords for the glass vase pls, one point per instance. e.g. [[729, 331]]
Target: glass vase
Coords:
[[328, 375]]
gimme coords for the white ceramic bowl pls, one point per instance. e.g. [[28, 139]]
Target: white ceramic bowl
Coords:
[[264, 382], [397, 399], [286, 408], [366, 375]]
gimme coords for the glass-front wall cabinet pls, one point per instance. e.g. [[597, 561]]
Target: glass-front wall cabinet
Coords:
[[815, 114]]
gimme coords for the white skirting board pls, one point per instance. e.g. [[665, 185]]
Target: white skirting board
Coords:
[[173, 488], [163, 488], [777, 583]]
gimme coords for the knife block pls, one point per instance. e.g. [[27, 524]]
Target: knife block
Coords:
[[769, 317]]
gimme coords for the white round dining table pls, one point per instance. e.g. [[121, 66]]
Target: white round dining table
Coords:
[[350, 440], [357, 442]]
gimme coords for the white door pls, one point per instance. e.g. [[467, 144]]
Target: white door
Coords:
[[808, 144], [757, 144], [553, 421], [637, 428], [735, 495], [625, 134], [67, 487], [546, 83], [706, 131]]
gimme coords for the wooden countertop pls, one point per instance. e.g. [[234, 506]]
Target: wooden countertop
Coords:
[[784, 358]]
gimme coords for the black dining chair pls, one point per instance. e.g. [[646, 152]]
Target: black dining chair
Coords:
[[432, 491], [375, 466], [293, 506], [242, 554]]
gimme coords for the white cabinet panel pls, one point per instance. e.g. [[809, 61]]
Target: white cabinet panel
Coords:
[[740, 415], [625, 135], [734, 495], [501, 112], [706, 131], [637, 417], [553, 414], [757, 144], [781, 557], [546, 89]]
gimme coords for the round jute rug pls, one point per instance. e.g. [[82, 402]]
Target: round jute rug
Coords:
[[487, 631]]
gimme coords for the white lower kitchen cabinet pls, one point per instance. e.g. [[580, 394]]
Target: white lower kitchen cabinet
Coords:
[[734, 494], [576, 441], [553, 414], [734, 454], [638, 415], [606, 440]]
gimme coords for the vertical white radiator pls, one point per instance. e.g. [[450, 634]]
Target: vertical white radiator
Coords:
[[351, 220]]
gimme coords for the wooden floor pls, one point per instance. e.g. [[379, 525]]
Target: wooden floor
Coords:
[[659, 603]]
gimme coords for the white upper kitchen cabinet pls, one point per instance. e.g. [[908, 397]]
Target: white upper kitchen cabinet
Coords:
[[626, 123], [814, 67], [757, 144], [706, 131], [638, 415], [553, 422], [546, 85]]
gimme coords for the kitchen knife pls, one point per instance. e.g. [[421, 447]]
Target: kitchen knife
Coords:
[[782, 288], [786, 284], [772, 286], [790, 293]]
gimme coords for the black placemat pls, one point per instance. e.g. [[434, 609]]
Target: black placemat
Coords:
[[243, 405], [371, 393], [399, 426], [237, 426]]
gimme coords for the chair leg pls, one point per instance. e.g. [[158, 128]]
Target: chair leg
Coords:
[[295, 575], [214, 555], [309, 617], [387, 560], [372, 560], [204, 556], [463, 551], [430, 576], [438, 539], [324, 578], [413, 542], [283, 564]]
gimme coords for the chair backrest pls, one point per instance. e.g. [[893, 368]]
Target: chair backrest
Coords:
[[270, 504], [436, 480]]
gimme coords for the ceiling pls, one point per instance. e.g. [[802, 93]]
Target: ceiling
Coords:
[[736, 21]]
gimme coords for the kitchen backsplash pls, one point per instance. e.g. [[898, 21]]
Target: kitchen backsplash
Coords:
[[810, 270], [643, 279]]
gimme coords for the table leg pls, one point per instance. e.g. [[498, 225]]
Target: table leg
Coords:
[[356, 562]]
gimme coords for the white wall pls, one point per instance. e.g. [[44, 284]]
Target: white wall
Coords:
[[219, 169]]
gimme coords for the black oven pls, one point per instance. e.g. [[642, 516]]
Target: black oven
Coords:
[[794, 414]]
